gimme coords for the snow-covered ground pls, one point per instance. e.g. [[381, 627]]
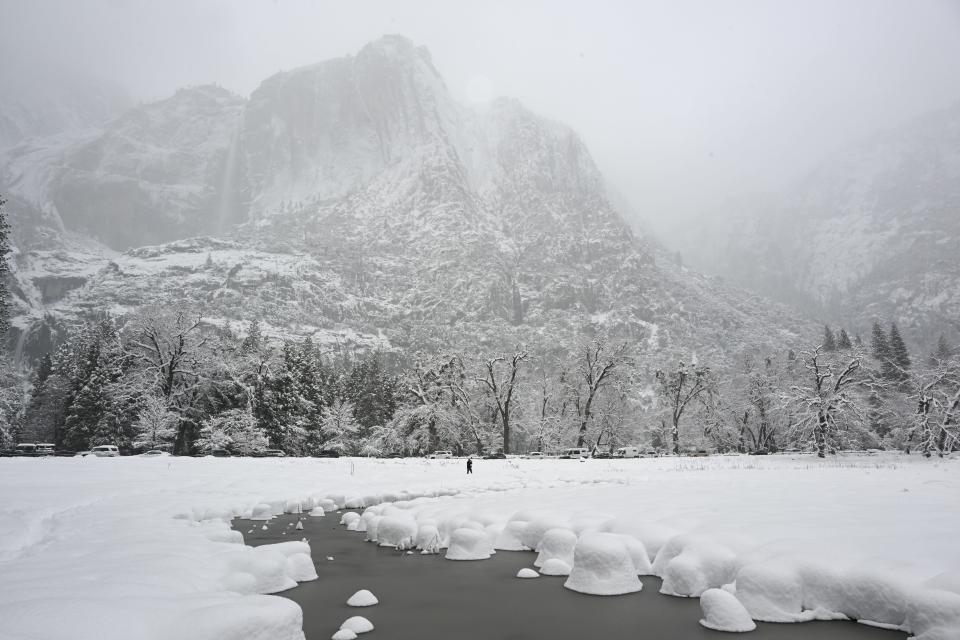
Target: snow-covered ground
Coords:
[[142, 548]]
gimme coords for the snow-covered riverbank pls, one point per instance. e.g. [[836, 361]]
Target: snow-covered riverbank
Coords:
[[141, 548]]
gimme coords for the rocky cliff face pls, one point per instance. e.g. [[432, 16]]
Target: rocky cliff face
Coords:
[[374, 210]]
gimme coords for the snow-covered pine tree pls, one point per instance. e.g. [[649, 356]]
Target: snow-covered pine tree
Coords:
[[829, 340], [899, 355], [338, 426], [943, 354], [880, 350], [253, 342], [843, 340]]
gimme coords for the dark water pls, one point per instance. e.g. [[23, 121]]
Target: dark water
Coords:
[[427, 597]]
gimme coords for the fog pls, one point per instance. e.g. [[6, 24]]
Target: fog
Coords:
[[684, 104]]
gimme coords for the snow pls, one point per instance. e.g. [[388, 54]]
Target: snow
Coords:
[[344, 634], [147, 543], [723, 612], [557, 544], [357, 624], [602, 566], [527, 573], [469, 544], [363, 598]]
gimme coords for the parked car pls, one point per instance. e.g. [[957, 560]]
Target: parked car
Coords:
[[627, 452], [534, 455], [105, 451], [328, 453], [154, 453], [575, 452], [25, 450], [601, 455], [273, 453], [499, 455], [437, 455]]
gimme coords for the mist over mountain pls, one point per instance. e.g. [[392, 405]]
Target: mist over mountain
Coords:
[[355, 200], [872, 233]]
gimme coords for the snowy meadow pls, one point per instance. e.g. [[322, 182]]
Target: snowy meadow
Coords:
[[142, 548]]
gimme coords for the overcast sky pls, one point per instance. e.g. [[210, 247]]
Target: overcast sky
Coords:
[[683, 103]]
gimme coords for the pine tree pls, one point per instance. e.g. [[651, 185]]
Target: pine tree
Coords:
[[254, 340], [880, 349], [943, 354], [899, 355], [4, 274], [843, 341], [829, 341]]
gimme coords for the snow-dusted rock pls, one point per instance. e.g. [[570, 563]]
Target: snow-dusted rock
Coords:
[[469, 544], [723, 612], [603, 566], [555, 567], [357, 624], [362, 598]]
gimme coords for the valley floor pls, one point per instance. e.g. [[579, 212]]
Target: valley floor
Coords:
[[142, 548]]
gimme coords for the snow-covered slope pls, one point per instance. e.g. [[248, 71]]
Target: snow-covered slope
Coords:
[[873, 233], [376, 207]]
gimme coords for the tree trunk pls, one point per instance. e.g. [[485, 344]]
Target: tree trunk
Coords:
[[820, 435], [676, 435]]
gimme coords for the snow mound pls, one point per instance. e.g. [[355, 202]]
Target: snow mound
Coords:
[[468, 544], [555, 567], [533, 533], [428, 539], [344, 634], [693, 564], [509, 538], [373, 529], [317, 511], [348, 517], [603, 566], [723, 612], [556, 544], [327, 504], [362, 598], [357, 624], [527, 573], [770, 592], [262, 512], [397, 531]]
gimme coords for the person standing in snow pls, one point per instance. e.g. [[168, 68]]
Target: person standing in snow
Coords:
[[470, 464]]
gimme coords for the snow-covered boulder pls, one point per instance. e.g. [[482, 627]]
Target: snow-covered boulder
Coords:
[[555, 567], [344, 634], [556, 544], [357, 624], [469, 544], [527, 573], [533, 533], [723, 612], [397, 531], [348, 517], [603, 566], [317, 511], [362, 598], [701, 564]]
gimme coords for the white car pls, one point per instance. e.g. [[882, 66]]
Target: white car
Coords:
[[534, 455], [106, 451], [154, 453], [436, 455]]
